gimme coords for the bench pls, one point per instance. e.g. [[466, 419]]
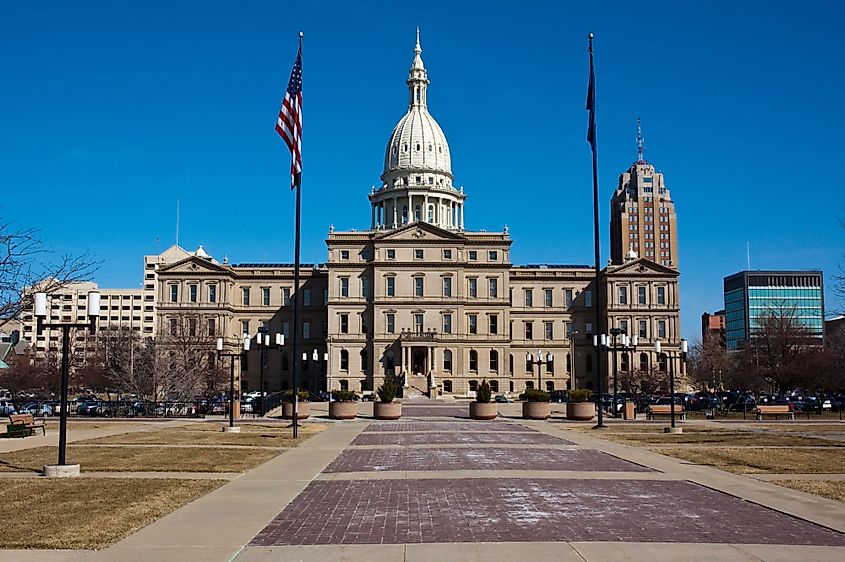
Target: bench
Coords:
[[29, 423], [775, 410], [666, 410]]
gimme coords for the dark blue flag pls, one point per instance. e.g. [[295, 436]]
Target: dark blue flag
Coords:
[[591, 101]]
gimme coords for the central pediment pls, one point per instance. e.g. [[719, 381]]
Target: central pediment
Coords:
[[419, 231]]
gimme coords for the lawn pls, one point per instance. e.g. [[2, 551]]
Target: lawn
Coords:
[[198, 435], [727, 439], [831, 489], [88, 513], [760, 460], [128, 459]]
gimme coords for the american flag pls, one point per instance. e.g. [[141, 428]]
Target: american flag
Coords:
[[289, 123], [591, 101]]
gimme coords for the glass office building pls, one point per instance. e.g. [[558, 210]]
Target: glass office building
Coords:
[[752, 295]]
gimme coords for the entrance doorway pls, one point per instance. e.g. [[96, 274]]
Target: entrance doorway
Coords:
[[418, 360]]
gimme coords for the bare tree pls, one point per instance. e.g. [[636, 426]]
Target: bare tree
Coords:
[[708, 363], [640, 381], [24, 264]]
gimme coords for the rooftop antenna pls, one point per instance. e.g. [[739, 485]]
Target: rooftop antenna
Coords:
[[639, 142], [177, 222], [748, 254]]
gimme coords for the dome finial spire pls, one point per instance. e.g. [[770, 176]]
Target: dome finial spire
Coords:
[[418, 49], [417, 77]]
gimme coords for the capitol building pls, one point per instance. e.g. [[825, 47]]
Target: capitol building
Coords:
[[416, 295]]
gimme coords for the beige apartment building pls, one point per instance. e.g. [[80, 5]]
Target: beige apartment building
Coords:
[[418, 296]]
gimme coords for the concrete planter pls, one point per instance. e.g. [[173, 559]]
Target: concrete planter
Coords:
[[483, 410], [343, 410], [536, 410], [387, 411], [580, 411], [303, 410]]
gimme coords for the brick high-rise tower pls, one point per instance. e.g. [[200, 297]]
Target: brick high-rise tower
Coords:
[[642, 215]]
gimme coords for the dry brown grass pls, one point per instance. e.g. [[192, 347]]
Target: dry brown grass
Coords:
[[211, 434], [757, 461], [74, 425], [88, 513], [640, 427], [129, 459], [727, 439], [831, 489]]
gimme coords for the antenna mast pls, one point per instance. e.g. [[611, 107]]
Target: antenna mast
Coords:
[[639, 142]]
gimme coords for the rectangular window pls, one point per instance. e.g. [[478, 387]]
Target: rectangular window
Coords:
[[529, 330], [212, 293], [418, 254], [623, 325], [494, 323], [344, 254], [325, 296], [447, 286], [265, 296], [492, 255], [212, 325], [493, 287], [547, 297], [549, 330], [174, 293], [344, 286], [641, 295], [588, 299], [623, 295], [472, 323], [192, 293], [661, 295], [447, 323], [286, 296], [391, 323], [643, 329], [661, 329], [447, 361], [472, 255], [306, 330], [344, 323], [286, 329], [447, 254], [473, 287], [391, 286], [306, 297], [588, 328], [174, 326], [192, 326], [418, 323], [245, 327], [245, 296], [418, 286], [568, 328], [568, 297], [365, 287], [391, 254], [529, 297]]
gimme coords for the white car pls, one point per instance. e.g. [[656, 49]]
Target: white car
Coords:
[[7, 408]]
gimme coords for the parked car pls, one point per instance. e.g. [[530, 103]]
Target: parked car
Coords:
[[7, 408], [558, 396], [87, 408], [368, 396], [502, 399], [247, 407], [42, 410]]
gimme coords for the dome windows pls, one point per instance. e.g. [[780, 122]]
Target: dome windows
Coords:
[[430, 148], [418, 147]]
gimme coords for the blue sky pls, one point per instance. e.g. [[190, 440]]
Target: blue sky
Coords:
[[112, 111]]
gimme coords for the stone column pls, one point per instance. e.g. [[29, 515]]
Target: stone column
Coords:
[[425, 209], [373, 215], [462, 216], [395, 204]]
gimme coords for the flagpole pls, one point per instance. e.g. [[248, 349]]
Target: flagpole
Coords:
[[596, 240], [297, 295]]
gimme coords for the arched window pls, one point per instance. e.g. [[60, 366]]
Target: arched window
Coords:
[[405, 211], [473, 385], [418, 147], [494, 360], [447, 386], [431, 213], [417, 212], [447, 362], [365, 364], [643, 361], [550, 386], [661, 362], [494, 386], [625, 363], [344, 360], [568, 363], [430, 148], [473, 360], [510, 364]]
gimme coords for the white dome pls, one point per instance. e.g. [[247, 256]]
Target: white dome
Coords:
[[417, 143]]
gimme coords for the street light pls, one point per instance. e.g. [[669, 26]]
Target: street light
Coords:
[[600, 343], [540, 360], [231, 428], [572, 380], [684, 349], [262, 339], [62, 468]]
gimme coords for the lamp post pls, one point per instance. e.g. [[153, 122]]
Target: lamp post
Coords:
[[262, 339], [540, 360], [600, 343], [615, 332], [683, 356], [572, 381], [231, 428], [629, 343], [62, 468]]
